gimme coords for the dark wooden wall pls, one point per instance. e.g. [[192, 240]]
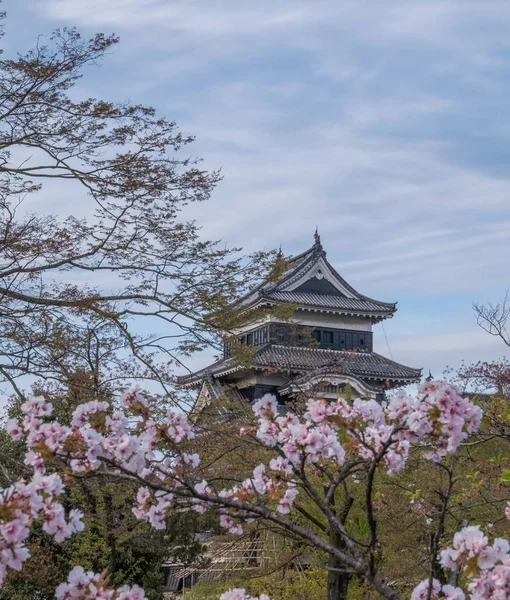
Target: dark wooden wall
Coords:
[[300, 335]]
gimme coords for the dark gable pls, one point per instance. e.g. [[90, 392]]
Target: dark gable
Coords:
[[319, 286]]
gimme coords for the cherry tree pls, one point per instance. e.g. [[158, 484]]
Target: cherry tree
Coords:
[[339, 440]]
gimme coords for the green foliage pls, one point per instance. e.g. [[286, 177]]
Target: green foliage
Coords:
[[290, 584], [360, 591], [211, 590], [410, 504], [287, 584], [113, 538], [41, 573]]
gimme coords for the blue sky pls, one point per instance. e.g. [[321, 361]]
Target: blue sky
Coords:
[[387, 124]]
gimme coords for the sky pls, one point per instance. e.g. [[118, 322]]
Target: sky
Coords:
[[384, 124]]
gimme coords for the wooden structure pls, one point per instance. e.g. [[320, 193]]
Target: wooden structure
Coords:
[[327, 343]]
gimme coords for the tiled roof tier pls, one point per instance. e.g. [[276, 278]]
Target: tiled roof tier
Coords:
[[312, 283], [357, 305], [299, 361], [362, 364]]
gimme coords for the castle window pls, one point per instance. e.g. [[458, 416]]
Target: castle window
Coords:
[[327, 337]]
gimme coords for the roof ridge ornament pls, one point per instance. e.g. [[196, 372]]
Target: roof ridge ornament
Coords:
[[317, 245]]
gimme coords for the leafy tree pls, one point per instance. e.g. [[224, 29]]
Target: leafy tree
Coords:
[[125, 252]]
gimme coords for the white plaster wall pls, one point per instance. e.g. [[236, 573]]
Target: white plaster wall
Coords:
[[330, 320], [254, 378], [253, 325], [271, 379], [315, 319]]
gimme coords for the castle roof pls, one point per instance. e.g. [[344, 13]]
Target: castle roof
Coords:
[[311, 282], [304, 361]]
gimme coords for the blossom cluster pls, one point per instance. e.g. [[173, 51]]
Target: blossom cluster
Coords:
[[268, 484], [152, 508], [95, 435], [438, 416], [311, 441], [20, 505], [82, 585], [447, 592], [152, 450], [240, 594], [485, 566]]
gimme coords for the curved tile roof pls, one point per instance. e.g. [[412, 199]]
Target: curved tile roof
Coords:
[[330, 301], [300, 271], [369, 365], [363, 364]]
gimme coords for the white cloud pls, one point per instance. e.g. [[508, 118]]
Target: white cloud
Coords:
[[438, 351]]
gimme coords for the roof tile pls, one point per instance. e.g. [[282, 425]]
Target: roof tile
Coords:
[[329, 301], [302, 360]]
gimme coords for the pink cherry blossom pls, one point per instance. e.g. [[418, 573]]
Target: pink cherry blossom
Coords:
[[240, 594], [82, 412], [491, 581], [452, 593], [147, 448], [81, 585], [420, 592], [193, 460], [227, 522], [21, 504], [266, 405], [14, 429]]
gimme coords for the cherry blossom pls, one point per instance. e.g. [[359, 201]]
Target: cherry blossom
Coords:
[[438, 416], [420, 592], [449, 592], [240, 594], [129, 440], [82, 585], [486, 567], [20, 505]]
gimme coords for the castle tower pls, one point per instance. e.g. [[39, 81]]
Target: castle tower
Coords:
[[325, 345]]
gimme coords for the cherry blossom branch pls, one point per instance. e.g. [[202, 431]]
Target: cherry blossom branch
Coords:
[[152, 451]]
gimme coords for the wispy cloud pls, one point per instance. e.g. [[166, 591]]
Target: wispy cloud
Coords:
[[435, 352]]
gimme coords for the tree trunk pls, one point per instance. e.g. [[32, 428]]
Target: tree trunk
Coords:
[[110, 538], [338, 583]]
